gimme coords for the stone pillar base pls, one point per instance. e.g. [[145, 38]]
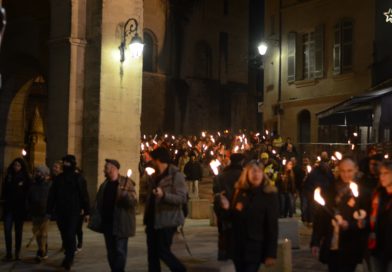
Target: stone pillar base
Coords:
[[288, 229]]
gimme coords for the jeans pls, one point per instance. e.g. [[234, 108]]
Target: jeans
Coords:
[[159, 242], [241, 266], [307, 208], [67, 225], [378, 265], [10, 219], [286, 204], [117, 250], [40, 231]]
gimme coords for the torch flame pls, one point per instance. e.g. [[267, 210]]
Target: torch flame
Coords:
[[236, 149], [203, 134], [309, 168], [189, 144], [354, 189], [386, 156], [214, 166], [129, 173], [284, 161], [24, 152], [150, 171], [317, 196], [338, 155]]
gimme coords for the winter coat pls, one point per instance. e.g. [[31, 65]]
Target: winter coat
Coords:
[[339, 200], [124, 215], [168, 210], [68, 195], [254, 214], [193, 171], [38, 197], [14, 193]]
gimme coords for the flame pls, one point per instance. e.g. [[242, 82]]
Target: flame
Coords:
[[189, 144], [176, 152], [257, 134], [355, 134], [274, 151], [219, 134], [386, 156], [214, 166], [203, 134], [142, 146], [284, 161], [333, 158], [129, 173], [354, 189], [173, 137], [150, 171], [267, 132], [317, 196], [309, 168], [318, 158], [236, 149], [352, 146], [24, 152], [338, 155], [166, 135]]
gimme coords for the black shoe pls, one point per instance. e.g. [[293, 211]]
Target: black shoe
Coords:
[[37, 259], [17, 258], [66, 265], [7, 259]]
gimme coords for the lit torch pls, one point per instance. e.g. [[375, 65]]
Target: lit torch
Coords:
[[320, 200], [359, 214], [150, 171], [309, 169], [338, 155], [386, 156], [24, 153], [214, 166], [189, 144], [129, 173]]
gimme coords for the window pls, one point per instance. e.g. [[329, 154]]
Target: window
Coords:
[[149, 52], [203, 60], [305, 55], [308, 55], [343, 47]]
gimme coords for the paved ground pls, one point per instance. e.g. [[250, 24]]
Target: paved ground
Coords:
[[201, 238]]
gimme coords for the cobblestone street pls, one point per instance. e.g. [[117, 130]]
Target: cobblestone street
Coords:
[[201, 237]]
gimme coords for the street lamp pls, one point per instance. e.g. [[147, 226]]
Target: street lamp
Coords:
[[136, 45], [262, 48]]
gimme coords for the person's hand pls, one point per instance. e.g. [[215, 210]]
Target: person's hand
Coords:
[[87, 218], [269, 262], [343, 224], [225, 204], [158, 192], [315, 251]]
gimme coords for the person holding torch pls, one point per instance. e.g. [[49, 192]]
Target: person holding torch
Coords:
[[336, 237]]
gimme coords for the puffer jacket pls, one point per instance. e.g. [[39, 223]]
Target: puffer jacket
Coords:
[[168, 210]]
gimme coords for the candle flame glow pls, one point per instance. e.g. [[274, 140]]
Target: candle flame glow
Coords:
[[317, 196], [338, 155], [214, 166], [354, 189], [129, 173], [150, 171]]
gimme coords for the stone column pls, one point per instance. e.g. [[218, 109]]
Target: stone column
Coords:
[[66, 79], [112, 105]]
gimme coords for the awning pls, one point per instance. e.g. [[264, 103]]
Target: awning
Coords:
[[357, 110]]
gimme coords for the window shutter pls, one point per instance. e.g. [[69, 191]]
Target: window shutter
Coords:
[[291, 43], [299, 58], [347, 45], [337, 50], [319, 52]]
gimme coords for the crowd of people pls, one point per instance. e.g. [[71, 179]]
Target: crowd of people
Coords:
[[257, 179]]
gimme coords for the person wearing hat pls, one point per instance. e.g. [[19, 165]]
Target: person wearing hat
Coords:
[[68, 199], [116, 213], [193, 173], [36, 203], [224, 184], [166, 195]]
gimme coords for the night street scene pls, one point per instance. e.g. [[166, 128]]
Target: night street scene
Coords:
[[196, 135]]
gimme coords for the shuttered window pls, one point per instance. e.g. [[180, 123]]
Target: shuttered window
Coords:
[[343, 47], [291, 52]]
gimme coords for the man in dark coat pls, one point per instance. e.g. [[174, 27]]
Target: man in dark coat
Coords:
[[116, 205], [193, 173], [68, 197], [166, 194], [224, 184]]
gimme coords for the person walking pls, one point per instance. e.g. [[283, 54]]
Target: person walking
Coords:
[[68, 197], [224, 184], [254, 212], [193, 173], [166, 195], [287, 190], [116, 208], [337, 235], [380, 239], [37, 204], [14, 196]]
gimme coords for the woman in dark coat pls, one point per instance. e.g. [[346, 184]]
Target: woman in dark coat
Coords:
[[254, 213], [14, 195], [337, 237], [380, 239]]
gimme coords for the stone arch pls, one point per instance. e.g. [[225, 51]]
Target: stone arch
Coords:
[[150, 51], [202, 60], [304, 126]]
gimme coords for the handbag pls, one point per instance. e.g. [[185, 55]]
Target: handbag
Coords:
[[95, 223]]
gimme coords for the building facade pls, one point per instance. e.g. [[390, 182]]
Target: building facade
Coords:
[[326, 56], [196, 67]]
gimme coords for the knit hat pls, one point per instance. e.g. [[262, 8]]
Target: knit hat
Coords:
[[43, 169]]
